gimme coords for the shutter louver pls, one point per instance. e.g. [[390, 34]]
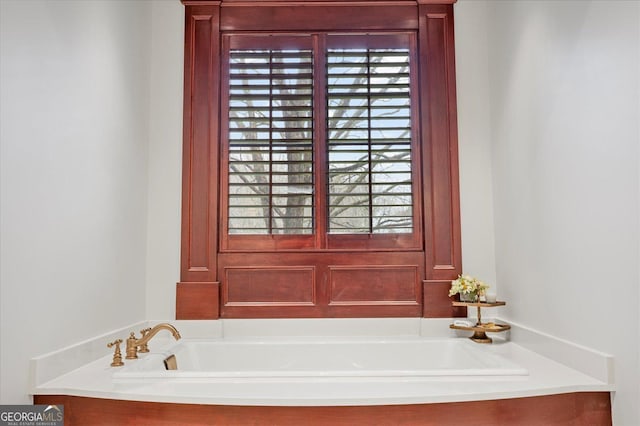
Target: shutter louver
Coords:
[[369, 141], [271, 142]]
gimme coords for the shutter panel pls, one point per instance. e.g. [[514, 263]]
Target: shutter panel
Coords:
[[369, 141], [271, 142]]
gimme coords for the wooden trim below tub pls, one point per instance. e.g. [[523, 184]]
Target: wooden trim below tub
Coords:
[[580, 408]]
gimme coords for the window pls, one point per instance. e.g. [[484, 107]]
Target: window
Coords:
[[320, 163], [319, 143], [270, 141], [369, 140]]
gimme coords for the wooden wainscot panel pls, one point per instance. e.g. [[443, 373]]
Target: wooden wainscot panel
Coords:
[[198, 300], [437, 303], [443, 252], [378, 285], [267, 16], [200, 160], [571, 409], [371, 285], [198, 292], [287, 285], [269, 286]]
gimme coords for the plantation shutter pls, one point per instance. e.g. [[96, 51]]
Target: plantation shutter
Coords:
[[369, 141], [270, 141], [318, 148]]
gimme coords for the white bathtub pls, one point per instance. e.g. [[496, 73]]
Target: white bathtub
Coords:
[[321, 363], [263, 359]]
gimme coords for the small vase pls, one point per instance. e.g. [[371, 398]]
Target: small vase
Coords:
[[469, 297]]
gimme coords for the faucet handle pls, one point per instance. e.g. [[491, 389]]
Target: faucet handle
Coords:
[[117, 355], [144, 348], [132, 348], [115, 343]]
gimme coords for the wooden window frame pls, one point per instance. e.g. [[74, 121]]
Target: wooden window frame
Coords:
[[199, 294]]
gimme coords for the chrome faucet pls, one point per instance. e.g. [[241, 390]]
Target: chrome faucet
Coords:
[[133, 344]]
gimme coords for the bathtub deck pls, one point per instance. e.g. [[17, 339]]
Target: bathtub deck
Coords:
[[571, 385], [546, 377]]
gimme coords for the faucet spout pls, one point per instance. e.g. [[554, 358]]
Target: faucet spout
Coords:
[[133, 344]]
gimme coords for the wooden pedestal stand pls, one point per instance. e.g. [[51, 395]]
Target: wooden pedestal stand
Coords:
[[480, 329]]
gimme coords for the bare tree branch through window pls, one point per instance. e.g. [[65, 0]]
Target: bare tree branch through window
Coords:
[[368, 138]]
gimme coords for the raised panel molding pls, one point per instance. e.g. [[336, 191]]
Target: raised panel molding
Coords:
[[269, 286], [198, 292], [200, 159], [443, 254], [373, 285]]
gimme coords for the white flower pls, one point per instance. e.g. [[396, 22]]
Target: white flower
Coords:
[[467, 284]]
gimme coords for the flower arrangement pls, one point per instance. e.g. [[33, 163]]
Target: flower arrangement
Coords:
[[468, 287]]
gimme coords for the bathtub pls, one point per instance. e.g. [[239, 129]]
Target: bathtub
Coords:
[[338, 371], [264, 359]]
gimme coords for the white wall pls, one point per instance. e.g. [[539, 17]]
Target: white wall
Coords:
[[74, 111], [564, 81], [474, 142], [165, 158]]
